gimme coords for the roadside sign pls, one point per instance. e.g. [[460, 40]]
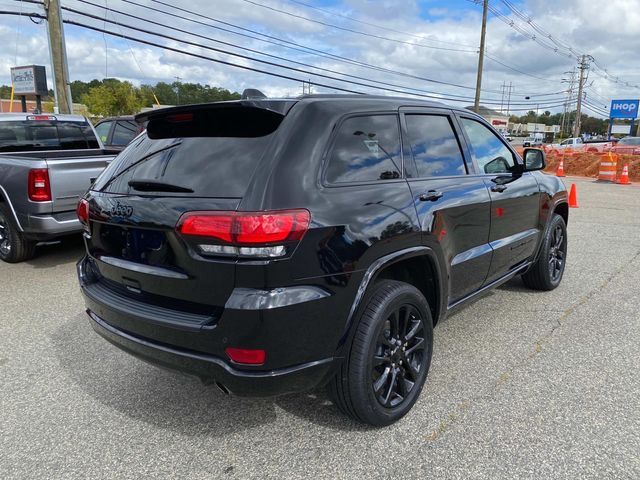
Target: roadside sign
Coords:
[[29, 80], [620, 129], [624, 108]]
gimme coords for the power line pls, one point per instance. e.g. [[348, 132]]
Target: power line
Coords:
[[432, 95], [284, 12], [204, 57], [389, 29], [137, 17], [557, 44], [350, 30], [270, 39]]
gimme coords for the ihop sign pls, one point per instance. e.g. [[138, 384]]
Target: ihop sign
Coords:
[[624, 108]]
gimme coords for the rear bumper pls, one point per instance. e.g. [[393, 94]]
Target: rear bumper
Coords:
[[52, 225], [243, 383], [193, 344]]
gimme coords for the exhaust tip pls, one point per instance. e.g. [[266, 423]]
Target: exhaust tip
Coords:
[[222, 388]]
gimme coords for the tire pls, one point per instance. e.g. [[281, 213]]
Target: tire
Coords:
[[14, 247], [382, 377], [546, 273]]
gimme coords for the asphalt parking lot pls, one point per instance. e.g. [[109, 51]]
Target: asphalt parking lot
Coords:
[[523, 385]]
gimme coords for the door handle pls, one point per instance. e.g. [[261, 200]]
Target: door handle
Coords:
[[430, 196], [498, 188]]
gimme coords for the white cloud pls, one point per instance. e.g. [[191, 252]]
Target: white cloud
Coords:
[[610, 34]]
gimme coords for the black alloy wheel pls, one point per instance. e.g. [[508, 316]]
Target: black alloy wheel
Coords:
[[13, 246], [399, 356], [388, 359], [557, 253], [546, 273], [5, 237]]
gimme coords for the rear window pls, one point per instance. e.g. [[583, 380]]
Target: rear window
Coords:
[[35, 135], [218, 162], [366, 149]]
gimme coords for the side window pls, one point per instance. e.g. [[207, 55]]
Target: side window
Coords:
[[490, 152], [434, 145], [366, 149], [124, 133], [103, 131]]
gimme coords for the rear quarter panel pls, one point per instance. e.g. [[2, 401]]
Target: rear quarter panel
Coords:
[[14, 174], [351, 225]]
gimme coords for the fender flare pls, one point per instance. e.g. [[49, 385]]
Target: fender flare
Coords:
[[5, 196], [552, 208], [377, 266]]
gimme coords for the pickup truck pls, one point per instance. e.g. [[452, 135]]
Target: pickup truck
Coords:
[[578, 144], [47, 162]]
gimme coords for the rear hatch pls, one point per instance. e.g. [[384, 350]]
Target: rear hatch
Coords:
[[199, 158]]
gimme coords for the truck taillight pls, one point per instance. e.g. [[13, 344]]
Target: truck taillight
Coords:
[[82, 211], [245, 234], [39, 187]]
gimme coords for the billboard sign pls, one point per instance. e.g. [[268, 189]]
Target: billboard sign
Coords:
[[624, 108], [620, 129], [29, 80]]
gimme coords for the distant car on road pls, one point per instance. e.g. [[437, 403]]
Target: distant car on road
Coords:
[[116, 132], [627, 146], [532, 141], [576, 143]]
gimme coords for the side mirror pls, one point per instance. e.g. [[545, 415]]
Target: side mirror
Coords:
[[533, 160]]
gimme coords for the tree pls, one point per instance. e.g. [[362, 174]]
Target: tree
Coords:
[[113, 97]]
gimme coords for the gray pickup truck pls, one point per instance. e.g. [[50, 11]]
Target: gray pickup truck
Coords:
[[46, 163]]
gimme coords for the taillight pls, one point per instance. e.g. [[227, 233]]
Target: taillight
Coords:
[[246, 356], [249, 234], [39, 187], [82, 211]]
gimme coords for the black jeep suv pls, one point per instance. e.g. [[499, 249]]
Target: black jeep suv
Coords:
[[275, 246]]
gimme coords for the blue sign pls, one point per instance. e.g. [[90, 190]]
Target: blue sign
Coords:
[[624, 108]]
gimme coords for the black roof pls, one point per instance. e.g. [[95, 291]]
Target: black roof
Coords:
[[283, 105]]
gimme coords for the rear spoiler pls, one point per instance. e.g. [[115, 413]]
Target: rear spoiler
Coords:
[[281, 107], [244, 118]]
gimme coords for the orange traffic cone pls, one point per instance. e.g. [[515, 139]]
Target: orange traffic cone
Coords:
[[624, 178], [560, 170], [573, 196]]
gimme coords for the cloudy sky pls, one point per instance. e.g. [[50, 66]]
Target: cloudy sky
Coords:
[[424, 47]]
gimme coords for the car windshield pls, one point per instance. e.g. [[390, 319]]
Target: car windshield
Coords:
[[630, 141]]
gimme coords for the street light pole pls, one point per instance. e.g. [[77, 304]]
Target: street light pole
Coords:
[[483, 34]]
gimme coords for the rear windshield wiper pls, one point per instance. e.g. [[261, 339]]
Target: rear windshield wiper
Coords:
[[155, 186], [138, 162]]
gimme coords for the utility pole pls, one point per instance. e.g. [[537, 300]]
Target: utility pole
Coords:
[[565, 114], [509, 98], [583, 67], [483, 34], [58, 52], [504, 85], [178, 80]]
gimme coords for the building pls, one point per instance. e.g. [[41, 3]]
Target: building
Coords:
[[498, 120]]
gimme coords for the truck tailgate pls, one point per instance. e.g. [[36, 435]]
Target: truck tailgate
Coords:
[[71, 177]]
